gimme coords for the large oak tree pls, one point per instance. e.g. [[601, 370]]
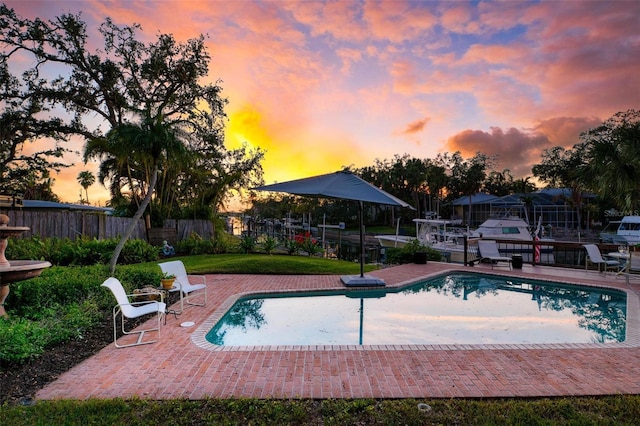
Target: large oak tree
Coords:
[[150, 96]]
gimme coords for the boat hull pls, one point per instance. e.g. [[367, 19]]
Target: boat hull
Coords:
[[394, 241]]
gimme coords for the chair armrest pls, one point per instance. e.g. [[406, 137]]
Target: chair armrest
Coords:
[[144, 302], [199, 277], [154, 293]]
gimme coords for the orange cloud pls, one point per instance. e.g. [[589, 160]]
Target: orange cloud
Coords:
[[415, 126]]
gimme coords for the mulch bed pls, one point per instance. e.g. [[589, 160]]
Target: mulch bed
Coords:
[[19, 383]]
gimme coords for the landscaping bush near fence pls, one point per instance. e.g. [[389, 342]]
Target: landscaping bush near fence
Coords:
[[83, 251]]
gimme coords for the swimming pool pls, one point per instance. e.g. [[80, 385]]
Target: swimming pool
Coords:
[[458, 308]]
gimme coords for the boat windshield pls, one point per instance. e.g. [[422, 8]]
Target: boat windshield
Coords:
[[510, 230], [629, 226]]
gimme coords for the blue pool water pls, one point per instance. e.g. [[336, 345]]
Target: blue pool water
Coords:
[[462, 308]]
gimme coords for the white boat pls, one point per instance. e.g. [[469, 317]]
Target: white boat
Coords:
[[448, 239], [394, 240], [508, 228], [438, 234], [397, 240], [627, 231], [516, 229]]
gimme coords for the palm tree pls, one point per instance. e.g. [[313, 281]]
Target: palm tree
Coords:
[[86, 179], [613, 159], [147, 144]]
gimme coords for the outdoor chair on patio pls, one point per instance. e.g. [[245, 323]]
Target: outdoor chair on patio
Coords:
[[126, 309], [187, 290], [633, 266], [488, 250], [594, 257]]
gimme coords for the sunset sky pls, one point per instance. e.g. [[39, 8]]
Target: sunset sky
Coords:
[[322, 85]]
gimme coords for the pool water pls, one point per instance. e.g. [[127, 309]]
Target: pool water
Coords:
[[461, 308]]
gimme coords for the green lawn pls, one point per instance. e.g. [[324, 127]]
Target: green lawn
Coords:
[[610, 410], [265, 264]]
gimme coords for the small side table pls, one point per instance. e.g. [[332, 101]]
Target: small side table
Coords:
[[166, 292], [624, 258]]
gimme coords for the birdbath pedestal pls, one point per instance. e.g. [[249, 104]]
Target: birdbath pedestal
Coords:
[[16, 270]]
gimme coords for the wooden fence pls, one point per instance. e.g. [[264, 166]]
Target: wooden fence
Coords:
[[76, 224]]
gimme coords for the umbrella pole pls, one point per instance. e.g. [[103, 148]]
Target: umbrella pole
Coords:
[[361, 319], [361, 239]]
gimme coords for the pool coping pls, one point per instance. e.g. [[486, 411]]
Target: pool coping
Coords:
[[632, 339]]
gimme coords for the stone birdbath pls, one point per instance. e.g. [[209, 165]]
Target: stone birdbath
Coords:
[[15, 270]]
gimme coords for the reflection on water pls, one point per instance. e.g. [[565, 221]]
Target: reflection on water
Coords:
[[452, 309]]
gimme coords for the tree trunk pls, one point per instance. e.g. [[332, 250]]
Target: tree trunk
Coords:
[[134, 221]]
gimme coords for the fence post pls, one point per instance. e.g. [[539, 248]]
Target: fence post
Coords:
[[466, 248]]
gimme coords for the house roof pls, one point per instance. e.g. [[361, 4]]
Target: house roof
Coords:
[[39, 204], [479, 198], [543, 197]]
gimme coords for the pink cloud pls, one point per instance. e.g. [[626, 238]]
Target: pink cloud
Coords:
[[348, 57], [516, 150], [459, 19], [565, 131], [398, 21], [337, 19], [493, 54]]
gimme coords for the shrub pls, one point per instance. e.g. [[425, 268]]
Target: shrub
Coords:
[[292, 246], [398, 256], [311, 247], [20, 340], [56, 286], [247, 244], [194, 244], [132, 278], [136, 251], [269, 244], [83, 251], [60, 305], [69, 322]]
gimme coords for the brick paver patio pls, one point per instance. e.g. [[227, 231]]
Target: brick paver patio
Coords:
[[184, 365]]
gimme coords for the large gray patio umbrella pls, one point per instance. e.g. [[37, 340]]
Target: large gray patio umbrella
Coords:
[[342, 185]]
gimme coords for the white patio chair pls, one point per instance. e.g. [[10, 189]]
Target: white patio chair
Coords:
[[595, 257], [488, 250], [127, 309], [634, 261], [182, 284], [633, 267]]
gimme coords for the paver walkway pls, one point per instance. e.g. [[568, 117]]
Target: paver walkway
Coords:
[[182, 366]]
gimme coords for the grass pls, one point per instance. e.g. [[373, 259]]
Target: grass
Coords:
[[264, 264], [608, 410]]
